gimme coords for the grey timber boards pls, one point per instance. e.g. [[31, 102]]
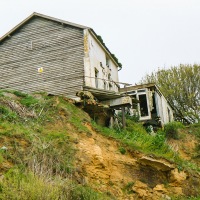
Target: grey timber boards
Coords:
[[41, 43]]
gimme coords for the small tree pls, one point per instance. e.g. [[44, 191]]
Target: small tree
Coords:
[[181, 86]]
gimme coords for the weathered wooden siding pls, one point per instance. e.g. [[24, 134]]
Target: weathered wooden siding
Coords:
[[56, 47]]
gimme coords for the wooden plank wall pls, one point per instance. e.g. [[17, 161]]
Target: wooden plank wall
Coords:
[[58, 48]]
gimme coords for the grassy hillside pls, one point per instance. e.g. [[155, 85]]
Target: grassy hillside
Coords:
[[38, 148]]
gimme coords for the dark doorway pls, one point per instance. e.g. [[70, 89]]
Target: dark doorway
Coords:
[[143, 105]]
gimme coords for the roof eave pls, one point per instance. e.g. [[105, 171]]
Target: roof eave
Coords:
[[16, 27], [43, 16], [61, 21]]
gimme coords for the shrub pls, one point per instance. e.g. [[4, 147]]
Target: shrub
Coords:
[[133, 118], [171, 129], [122, 150]]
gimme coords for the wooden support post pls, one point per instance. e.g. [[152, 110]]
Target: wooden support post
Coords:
[[111, 122], [123, 117]]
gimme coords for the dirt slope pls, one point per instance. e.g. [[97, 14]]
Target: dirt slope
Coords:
[[100, 162], [127, 176]]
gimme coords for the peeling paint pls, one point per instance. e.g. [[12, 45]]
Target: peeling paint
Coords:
[[86, 46], [107, 74]]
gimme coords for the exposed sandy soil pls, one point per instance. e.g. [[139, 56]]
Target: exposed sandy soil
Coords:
[[185, 146], [132, 175], [101, 165]]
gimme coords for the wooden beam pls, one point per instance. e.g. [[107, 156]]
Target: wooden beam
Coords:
[[123, 117]]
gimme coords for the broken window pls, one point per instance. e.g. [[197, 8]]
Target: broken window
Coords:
[[143, 105], [134, 101]]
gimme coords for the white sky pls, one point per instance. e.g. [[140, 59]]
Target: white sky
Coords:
[[143, 34]]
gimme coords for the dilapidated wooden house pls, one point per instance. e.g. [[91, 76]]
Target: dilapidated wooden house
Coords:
[[61, 58], [149, 103]]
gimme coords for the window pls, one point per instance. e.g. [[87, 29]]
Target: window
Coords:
[[110, 86], [107, 62], [143, 105], [109, 77], [134, 102], [96, 77], [131, 93], [101, 65], [105, 85], [109, 82], [141, 91]]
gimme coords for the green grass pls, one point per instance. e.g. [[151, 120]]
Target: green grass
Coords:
[[195, 129], [28, 101], [19, 94], [21, 185], [75, 116], [1, 157], [42, 151], [186, 198], [171, 129], [7, 114], [135, 137]]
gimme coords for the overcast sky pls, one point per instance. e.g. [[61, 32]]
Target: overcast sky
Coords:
[[143, 34]]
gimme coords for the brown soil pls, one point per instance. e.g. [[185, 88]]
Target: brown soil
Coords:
[[100, 164], [132, 175]]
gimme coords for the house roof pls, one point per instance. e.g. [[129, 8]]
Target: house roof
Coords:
[[35, 14], [136, 87], [43, 16], [142, 86]]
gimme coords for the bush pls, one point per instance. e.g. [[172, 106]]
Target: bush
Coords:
[[122, 150], [171, 129], [134, 118]]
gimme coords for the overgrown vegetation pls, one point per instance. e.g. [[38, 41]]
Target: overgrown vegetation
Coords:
[[113, 55], [181, 86], [171, 129], [135, 137], [38, 151], [20, 185]]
